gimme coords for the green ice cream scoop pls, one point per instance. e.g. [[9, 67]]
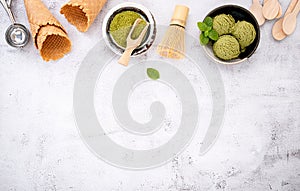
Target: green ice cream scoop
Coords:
[[244, 32], [226, 47], [223, 23]]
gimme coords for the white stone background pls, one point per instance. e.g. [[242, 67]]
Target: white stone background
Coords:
[[258, 148]]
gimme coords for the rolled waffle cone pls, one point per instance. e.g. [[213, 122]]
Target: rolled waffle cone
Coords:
[[47, 33], [82, 13], [53, 43]]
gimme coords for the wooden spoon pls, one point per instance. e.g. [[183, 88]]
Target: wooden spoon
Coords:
[[277, 31], [270, 9], [256, 10], [279, 12], [132, 43], [290, 20]]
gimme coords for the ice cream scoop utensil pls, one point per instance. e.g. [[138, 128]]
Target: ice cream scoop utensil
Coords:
[[290, 20], [16, 35]]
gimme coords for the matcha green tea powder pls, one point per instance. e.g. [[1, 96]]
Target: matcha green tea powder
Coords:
[[121, 24]]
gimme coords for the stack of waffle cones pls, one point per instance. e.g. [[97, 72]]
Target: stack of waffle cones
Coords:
[[49, 36], [82, 13]]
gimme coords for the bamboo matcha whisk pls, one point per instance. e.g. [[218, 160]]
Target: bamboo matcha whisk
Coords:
[[173, 43]]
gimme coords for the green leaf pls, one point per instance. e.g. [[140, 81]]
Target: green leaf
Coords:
[[206, 33], [203, 39], [202, 26], [152, 73], [213, 35], [208, 21]]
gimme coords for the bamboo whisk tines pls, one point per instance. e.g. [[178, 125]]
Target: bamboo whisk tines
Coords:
[[173, 43]]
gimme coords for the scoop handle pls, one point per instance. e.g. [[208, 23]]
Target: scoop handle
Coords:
[[124, 60], [6, 6]]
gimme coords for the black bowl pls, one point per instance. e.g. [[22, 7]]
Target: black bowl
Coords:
[[239, 14]]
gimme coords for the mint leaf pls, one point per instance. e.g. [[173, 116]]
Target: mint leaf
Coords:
[[203, 39], [206, 33], [208, 21], [152, 73], [202, 26], [213, 35]]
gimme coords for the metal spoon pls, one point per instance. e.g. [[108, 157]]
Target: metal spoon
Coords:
[[16, 35]]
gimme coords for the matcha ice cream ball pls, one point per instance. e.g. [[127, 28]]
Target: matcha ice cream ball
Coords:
[[226, 47], [223, 23], [244, 32]]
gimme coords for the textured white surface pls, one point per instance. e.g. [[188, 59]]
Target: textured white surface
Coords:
[[258, 148]]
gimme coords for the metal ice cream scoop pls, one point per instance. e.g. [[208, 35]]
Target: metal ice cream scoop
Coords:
[[16, 35]]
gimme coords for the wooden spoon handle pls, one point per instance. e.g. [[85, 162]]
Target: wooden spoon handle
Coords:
[[124, 60], [297, 8], [291, 7]]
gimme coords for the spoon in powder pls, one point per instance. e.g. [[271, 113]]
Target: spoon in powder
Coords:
[[290, 20], [277, 31], [256, 10], [132, 43]]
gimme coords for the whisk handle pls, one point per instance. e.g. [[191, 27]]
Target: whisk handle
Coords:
[[125, 56]]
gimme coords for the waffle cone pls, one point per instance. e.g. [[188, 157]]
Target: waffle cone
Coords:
[[45, 28], [53, 43], [82, 13]]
